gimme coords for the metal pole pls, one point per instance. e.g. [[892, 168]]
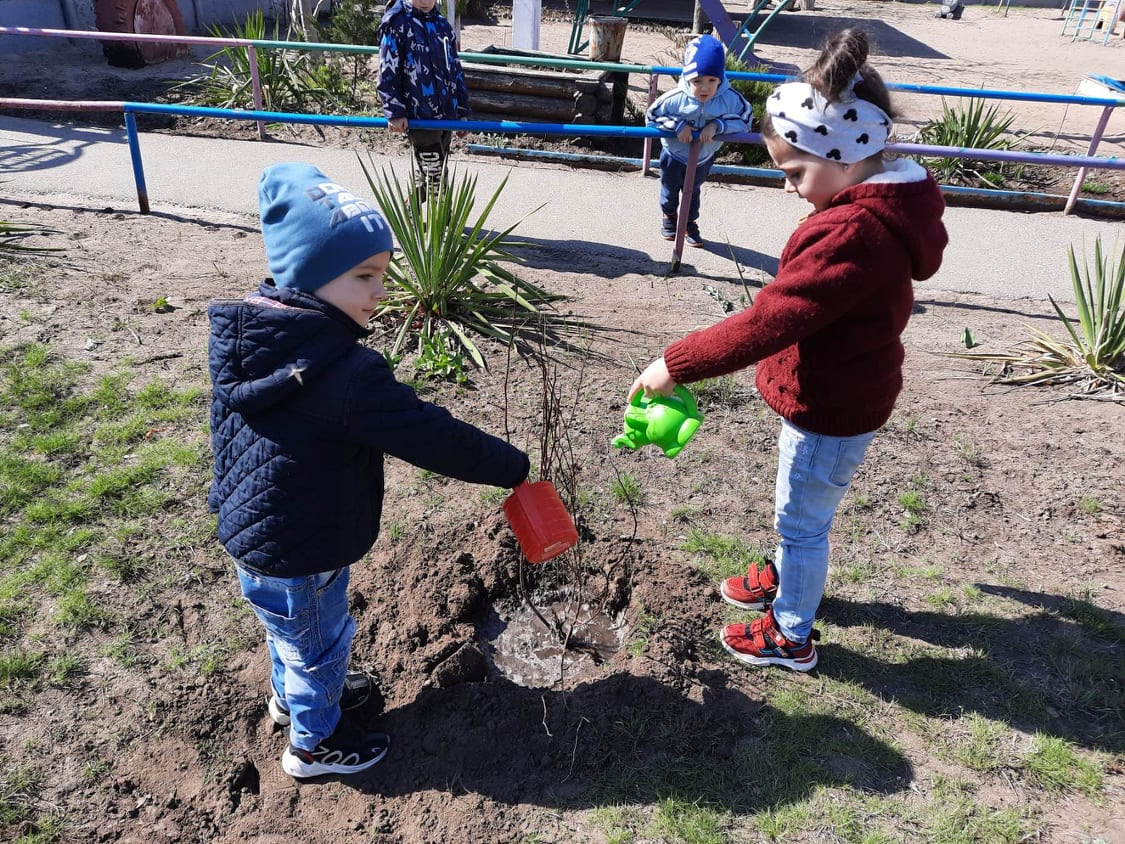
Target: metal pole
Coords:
[[652, 82], [252, 57], [135, 154], [685, 201], [1081, 176]]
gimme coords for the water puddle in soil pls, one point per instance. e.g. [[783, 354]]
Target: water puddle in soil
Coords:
[[522, 649]]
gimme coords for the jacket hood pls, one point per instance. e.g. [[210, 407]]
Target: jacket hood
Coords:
[[259, 353], [906, 199]]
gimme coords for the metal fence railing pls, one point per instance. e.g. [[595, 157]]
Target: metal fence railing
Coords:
[[1082, 163]]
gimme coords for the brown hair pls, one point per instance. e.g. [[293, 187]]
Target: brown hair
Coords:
[[841, 58]]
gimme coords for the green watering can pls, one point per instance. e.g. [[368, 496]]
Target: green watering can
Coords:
[[667, 422]]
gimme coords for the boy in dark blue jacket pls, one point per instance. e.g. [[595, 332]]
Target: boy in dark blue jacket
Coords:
[[301, 416], [420, 78]]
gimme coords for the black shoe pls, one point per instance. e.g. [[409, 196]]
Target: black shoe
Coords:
[[358, 690], [350, 749], [693, 237], [668, 227]]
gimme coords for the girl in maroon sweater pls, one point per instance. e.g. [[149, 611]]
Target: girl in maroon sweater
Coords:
[[825, 332]]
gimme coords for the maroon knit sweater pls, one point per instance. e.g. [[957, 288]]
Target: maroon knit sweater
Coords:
[[825, 332]]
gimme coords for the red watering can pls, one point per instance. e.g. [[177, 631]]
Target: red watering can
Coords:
[[539, 520]]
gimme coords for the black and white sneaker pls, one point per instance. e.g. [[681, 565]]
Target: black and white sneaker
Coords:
[[358, 690], [352, 748]]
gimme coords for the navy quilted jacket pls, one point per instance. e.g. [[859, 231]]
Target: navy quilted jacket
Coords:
[[301, 416], [420, 74]]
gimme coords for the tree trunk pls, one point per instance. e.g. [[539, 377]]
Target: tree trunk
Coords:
[[699, 22]]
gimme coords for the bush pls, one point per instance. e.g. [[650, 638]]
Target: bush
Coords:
[[755, 92], [291, 80]]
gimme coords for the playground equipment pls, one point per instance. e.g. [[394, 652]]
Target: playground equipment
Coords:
[[1085, 19], [668, 422], [739, 39]]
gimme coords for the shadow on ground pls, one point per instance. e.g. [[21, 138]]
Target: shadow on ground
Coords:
[[810, 31], [1057, 671], [625, 739], [610, 260]]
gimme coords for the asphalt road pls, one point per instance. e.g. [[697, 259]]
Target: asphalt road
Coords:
[[1003, 254]]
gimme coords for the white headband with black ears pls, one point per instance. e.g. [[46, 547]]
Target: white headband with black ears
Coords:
[[847, 131]]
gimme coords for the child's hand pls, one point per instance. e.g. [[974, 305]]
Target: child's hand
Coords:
[[709, 131], [398, 124], [684, 135], [655, 379]]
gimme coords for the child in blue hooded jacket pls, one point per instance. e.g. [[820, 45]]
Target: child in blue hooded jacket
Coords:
[[702, 102], [301, 416], [420, 78]]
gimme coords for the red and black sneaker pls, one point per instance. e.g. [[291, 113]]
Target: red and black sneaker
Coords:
[[753, 592], [761, 643]]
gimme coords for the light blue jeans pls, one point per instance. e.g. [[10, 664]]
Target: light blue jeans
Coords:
[[309, 635], [813, 474]]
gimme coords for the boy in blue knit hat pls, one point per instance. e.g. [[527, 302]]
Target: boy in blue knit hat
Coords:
[[301, 415], [702, 103]]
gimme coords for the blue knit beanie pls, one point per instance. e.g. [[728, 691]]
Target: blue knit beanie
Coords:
[[315, 230], [704, 56]]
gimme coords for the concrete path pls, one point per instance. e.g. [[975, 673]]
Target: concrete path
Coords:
[[610, 217]]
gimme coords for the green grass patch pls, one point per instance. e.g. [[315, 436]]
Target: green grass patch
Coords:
[[1081, 608], [626, 489], [720, 556], [19, 786], [88, 470], [1056, 766], [955, 816]]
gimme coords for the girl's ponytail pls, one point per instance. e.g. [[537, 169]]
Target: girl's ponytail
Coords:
[[843, 56]]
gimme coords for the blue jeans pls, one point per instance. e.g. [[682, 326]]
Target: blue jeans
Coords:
[[813, 473], [672, 173], [309, 636]]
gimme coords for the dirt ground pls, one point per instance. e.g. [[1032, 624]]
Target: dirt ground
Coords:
[[1007, 475]]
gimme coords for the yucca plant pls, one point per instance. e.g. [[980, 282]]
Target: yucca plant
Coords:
[[13, 238], [1094, 358], [290, 80], [969, 126], [450, 277]]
